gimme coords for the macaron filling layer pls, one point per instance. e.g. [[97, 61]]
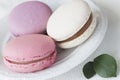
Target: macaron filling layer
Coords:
[[29, 62], [81, 31]]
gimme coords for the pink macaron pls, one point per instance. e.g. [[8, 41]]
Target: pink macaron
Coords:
[[29, 53], [29, 18]]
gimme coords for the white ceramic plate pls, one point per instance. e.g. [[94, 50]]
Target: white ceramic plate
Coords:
[[67, 59]]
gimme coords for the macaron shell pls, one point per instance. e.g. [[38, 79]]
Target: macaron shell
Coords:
[[82, 38], [31, 67], [25, 48], [28, 18], [68, 19]]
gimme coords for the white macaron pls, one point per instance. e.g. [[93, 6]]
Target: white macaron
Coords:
[[71, 24]]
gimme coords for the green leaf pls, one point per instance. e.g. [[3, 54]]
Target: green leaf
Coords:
[[88, 70], [105, 66]]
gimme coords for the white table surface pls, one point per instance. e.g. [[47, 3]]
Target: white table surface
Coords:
[[110, 44]]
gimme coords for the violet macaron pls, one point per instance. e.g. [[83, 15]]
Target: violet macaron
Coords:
[[29, 18], [29, 53]]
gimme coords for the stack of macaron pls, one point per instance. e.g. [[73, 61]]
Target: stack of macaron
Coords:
[[36, 31]]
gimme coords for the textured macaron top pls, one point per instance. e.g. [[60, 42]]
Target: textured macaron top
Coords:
[[29, 47], [28, 18], [68, 19]]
